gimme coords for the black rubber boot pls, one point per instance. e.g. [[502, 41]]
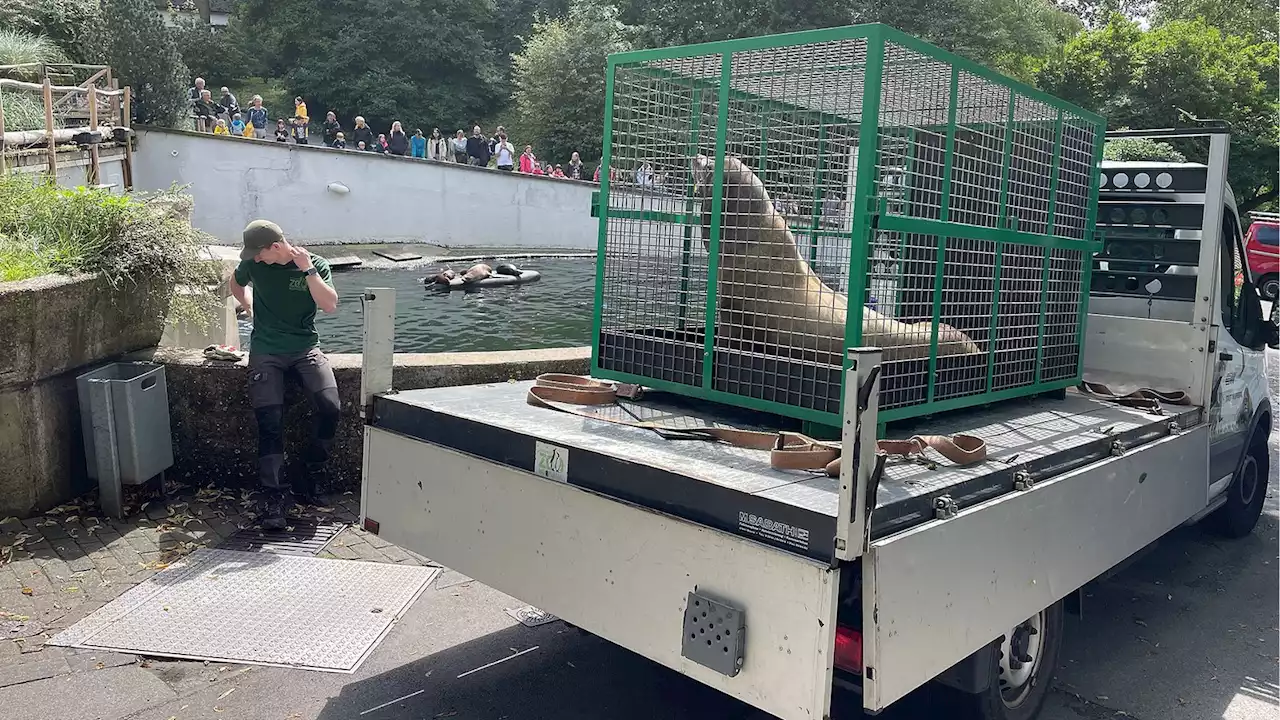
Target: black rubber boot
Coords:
[[273, 511], [315, 483]]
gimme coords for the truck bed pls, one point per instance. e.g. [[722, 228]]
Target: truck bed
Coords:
[[734, 489]]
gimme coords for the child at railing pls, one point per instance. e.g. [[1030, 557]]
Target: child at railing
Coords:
[[237, 125], [221, 128]]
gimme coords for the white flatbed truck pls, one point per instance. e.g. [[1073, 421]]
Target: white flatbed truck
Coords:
[[776, 587]]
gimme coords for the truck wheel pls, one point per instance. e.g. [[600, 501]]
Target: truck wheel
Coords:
[[1247, 493], [1025, 662], [1269, 287]]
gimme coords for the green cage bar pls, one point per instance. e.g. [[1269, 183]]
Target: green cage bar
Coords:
[[856, 186]]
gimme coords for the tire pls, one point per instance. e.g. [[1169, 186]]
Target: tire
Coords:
[[1269, 287], [1017, 692], [1248, 491]]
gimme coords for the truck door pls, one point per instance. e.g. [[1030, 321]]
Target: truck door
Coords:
[[1239, 376]]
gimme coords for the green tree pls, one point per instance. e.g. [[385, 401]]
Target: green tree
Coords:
[[559, 81], [63, 22], [1153, 78], [220, 56], [131, 37], [1140, 149], [1251, 19], [661, 23], [422, 62]]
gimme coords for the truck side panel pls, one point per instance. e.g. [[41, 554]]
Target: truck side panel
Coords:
[[938, 592], [614, 569]]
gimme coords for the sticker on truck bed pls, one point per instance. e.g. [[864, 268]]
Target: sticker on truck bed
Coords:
[[551, 461], [763, 527]]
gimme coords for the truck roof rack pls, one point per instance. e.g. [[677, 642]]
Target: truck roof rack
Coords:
[[1267, 216]]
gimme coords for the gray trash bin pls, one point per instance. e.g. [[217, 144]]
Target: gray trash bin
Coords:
[[124, 413]]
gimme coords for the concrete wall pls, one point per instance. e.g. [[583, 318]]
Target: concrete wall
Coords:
[[55, 328], [390, 199], [215, 436]]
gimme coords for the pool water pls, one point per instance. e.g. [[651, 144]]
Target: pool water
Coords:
[[552, 312]]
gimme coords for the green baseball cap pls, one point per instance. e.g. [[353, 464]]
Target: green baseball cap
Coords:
[[259, 235]]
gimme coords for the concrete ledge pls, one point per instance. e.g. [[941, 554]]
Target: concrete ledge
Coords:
[[55, 323], [214, 431]]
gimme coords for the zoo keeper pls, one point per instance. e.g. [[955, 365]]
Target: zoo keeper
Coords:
[[289, 284]]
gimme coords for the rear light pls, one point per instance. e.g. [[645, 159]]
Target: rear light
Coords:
[[848, 649], [371, 526]]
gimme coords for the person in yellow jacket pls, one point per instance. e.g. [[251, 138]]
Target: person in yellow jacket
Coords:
[[221, 128], [300, 109]]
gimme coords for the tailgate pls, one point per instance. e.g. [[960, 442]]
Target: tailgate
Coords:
[[619, 571], [936, 593]]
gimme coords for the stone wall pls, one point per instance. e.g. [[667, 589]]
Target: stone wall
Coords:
[[54, 329], [215, 437], [320, 195]]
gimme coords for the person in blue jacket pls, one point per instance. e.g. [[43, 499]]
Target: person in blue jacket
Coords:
[[418, 144]]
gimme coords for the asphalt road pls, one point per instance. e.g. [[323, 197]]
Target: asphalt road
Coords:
[[1188, 632]]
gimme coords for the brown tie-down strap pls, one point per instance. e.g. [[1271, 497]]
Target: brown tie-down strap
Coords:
[[1141, 399], [787, 450]]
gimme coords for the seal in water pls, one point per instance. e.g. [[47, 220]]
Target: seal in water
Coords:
[[479, 271], [506, 269], [768, 293], [444, 277]]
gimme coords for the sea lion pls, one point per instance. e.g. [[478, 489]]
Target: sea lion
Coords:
[[479, 271], [444, 277], [768, 294], [506, 269]]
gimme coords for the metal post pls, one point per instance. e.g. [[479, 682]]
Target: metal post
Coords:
[[378, 359], [48, 129], [2, 150], [860, 430], [93, 127], [127, 121], [1215, 192]]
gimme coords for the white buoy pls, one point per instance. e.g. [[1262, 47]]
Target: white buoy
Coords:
[[338, 188]]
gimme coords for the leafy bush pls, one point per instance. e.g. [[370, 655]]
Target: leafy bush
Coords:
[[1140, 150], [61, 22], [24, 111], [46, 229], [18, 47]]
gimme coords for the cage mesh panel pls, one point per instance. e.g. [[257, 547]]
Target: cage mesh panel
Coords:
[[793, 117], [1031, 165], [1062, 315], [788, 121], [968, 283], [1075, 172], [1017, 316], [655, 270]]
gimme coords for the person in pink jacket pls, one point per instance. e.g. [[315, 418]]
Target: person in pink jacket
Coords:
[[527, 160]]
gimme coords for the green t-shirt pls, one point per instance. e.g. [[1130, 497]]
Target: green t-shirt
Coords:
[[284, 314]]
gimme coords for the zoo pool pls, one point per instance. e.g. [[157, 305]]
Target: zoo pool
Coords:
[[553, 312]]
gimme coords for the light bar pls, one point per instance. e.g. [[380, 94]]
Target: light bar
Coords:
[[1154, 179]]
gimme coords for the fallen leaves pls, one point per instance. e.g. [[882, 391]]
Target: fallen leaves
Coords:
[[28, 591]]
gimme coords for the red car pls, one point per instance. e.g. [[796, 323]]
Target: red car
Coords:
[[1262, 248]]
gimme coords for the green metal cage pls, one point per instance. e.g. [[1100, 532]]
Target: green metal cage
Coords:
[[773, 201]]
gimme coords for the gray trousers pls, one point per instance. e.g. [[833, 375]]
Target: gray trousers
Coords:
[[266, 396]]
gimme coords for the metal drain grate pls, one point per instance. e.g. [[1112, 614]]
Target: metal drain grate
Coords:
[[300, 538]]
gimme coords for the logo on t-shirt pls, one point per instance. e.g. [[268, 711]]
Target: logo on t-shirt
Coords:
[[298, 283]]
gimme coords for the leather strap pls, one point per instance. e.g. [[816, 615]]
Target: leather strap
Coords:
[[787, 450], [1140, 399]]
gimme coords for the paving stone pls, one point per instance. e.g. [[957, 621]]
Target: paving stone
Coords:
[[9, 580], [138, 540], [13, 601], [373, 540], [54, 569], [365, 551], [129, 558], [53, 532], [342, 552], [157, 511], [37, 583], [25, 672], [75, 614], [87, 581], [104, 560], [8, 651], [396, 555], [88, 660], [11, 525]]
